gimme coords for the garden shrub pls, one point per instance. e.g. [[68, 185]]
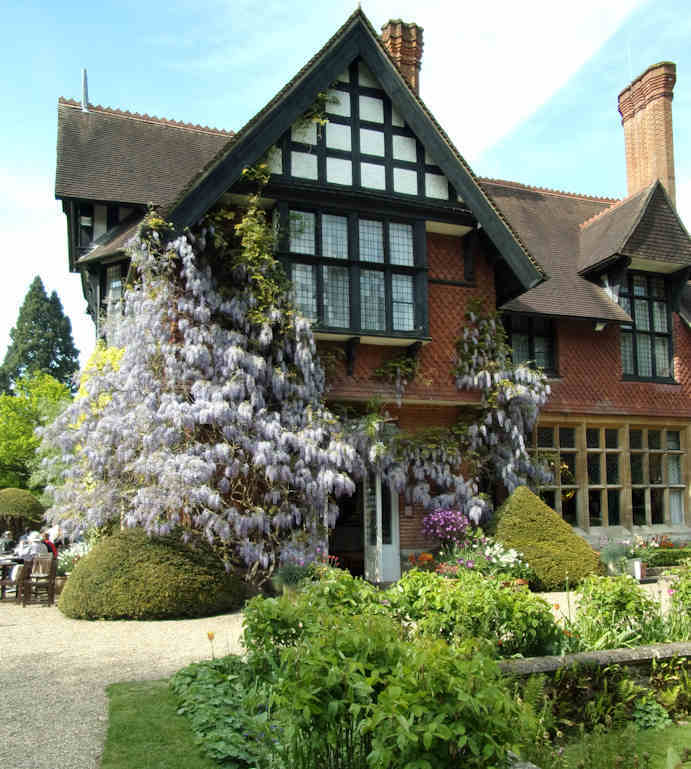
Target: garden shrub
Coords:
[[272, 623], [668, 556], [556, 554], [19, 509], [129, 575], [616, 612], [473, 606], [358, 694]]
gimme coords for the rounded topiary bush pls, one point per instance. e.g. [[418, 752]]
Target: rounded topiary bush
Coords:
[[131, 576], [19, 509], [557, 555]]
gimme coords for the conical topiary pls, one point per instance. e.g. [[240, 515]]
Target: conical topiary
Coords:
[[557, 555]]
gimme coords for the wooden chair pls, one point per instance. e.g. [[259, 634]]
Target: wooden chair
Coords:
[[10, 586], [40, 587]]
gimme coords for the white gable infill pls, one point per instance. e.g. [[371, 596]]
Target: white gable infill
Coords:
[[356, 38]]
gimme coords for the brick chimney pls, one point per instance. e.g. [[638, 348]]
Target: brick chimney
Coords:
[[404, 43], [646, 114]]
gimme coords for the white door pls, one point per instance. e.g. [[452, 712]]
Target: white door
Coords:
[[382, 554]]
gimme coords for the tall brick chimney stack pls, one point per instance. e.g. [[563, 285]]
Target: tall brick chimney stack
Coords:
[[404, 43], [646, 114]]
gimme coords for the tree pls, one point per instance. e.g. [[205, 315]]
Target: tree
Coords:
[[36, 402], [41, 340]]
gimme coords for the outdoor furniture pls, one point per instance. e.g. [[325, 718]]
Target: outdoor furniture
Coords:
[[40, 586], [17, 584]]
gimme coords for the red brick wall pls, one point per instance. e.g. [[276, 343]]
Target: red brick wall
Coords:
[[447, 305], [590, 378]]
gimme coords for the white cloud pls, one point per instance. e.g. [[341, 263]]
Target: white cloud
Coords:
[[34, 243], [488, 66]]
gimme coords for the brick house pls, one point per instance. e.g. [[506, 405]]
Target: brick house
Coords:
[[396, 234]]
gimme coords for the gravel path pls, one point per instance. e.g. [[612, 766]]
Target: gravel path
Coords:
[[54, 670]]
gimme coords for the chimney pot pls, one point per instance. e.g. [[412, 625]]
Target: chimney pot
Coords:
[[404, 42], [645, 107]]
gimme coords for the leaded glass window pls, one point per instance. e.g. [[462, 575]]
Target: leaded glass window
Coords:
[[531, 340], [360, 274], [646, 345]]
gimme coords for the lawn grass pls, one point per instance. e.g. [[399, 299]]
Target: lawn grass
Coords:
[[145, 731]]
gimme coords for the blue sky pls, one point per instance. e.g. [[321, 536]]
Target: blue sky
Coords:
[[526, 90]]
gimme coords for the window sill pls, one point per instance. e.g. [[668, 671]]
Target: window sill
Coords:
[[652, 380], [371, 339]]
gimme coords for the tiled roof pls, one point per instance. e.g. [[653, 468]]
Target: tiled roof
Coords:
[[110, 155], [548, 223]]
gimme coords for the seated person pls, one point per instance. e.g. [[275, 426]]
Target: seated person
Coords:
[[33, 546], [52, 547], [6, 542]]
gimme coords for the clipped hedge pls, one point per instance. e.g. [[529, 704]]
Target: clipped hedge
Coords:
[[131, 576], [19, 509], [668, 556], [557, 555]]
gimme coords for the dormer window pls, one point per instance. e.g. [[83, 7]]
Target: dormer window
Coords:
[[357, 273], [531, 340], [646, 345]]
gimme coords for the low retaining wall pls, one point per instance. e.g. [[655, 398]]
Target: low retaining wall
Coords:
[[639, 656]]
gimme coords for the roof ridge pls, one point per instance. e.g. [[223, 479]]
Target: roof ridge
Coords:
[[146, 118], [611, 208], [549, 190]]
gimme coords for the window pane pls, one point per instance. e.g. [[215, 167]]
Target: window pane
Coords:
[[660, 316], [567, 437], [636, 439], [543, 352], [655, 465], [592, 438], [336, 296], [569, 507], [612, 462], [304, 290], [625, 303], [639, 285], [401, 243], [673, 441], [662, 357], [335, 236], [595, 507], [549, 497], [659, 288], [594, 475], [676, 511], [612, 439], [641, 315], [657, 506], [644, 355], [613, 516], [371, 241], [637, 468], [638, 507], [674, 469], [545, 437], [568, 469], [371, 142], [627, 353], [301, 232], [403, 304], [520, 347], [653, 439], [113, 283], [372, 301]]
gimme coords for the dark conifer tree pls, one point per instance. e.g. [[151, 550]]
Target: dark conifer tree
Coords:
[[41, 340]]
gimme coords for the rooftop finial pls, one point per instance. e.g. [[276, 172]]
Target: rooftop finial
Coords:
[[85, 92]]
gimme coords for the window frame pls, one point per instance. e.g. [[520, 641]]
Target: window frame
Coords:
[[417, 270], [627, 294], [510, 320]]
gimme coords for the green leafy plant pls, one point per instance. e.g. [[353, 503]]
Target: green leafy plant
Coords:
[[616, 612], [670, 682], [649, 714]]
